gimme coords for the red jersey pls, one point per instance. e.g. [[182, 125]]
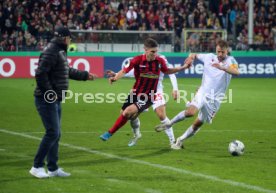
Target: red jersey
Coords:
[[146, 73]]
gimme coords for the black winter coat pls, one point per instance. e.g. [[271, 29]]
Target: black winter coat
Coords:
[[53, 71]]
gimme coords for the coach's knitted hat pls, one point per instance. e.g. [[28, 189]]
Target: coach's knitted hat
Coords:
[[61, 31]]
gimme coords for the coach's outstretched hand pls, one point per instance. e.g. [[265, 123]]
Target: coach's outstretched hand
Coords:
[[92, 76], [110, 73]]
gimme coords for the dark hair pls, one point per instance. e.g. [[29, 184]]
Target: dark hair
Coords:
[[222, 44], [61, 31], [150, 43]]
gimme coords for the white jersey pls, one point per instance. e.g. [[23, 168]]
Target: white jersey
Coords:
[[214, 81], [213, 87], [161, 77]]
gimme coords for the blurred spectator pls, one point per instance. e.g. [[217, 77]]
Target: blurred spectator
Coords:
[[193, 42], [114, 4], [131, 15], [27, 24], [242, 42]]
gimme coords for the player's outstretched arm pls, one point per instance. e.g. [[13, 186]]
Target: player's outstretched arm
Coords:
[[192, 56], [187, 64]]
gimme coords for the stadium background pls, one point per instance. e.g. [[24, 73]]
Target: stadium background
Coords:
[[104, 31], [27, 25]]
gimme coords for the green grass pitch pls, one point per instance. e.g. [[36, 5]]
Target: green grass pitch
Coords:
[[151, 166]]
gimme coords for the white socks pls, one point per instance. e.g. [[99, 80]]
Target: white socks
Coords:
[[179, 117], [135, 125], [188, 133], [169, 132]]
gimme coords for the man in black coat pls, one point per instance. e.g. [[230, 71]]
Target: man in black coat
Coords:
[[52, 78]]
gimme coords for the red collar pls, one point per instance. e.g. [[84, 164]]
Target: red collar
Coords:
[[144, 58]]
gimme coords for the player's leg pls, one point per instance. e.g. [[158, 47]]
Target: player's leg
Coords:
[[131, 110], [142, 103], [189, 112], [128, 113], [161, 113], [135, 125], [191, 109], [191, 131], [122, 119], [205, 115]]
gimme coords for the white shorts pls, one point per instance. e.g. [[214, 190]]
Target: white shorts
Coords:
[[206, 106], [159, 100]]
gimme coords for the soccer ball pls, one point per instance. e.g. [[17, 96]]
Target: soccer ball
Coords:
[[236, 148]]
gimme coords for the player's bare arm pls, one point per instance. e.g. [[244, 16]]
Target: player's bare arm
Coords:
[[187, 64], [192, 56], [232, 69], [175, 94]]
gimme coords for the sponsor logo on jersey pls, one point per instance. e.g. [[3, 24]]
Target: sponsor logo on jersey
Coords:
[[149, 75]]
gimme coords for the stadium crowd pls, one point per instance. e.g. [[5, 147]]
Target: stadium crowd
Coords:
[[28, 24]]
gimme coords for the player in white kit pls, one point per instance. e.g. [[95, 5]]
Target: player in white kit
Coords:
[[218, 70], [159, 106]]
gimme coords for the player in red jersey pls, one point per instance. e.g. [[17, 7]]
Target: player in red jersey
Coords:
[[147, 68]]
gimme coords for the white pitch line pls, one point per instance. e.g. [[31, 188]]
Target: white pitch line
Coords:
[[159, 166]]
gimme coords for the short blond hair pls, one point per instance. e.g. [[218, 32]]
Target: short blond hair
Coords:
[[223, 44]]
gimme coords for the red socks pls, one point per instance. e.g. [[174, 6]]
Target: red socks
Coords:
[[121, 121]]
